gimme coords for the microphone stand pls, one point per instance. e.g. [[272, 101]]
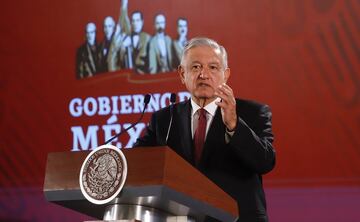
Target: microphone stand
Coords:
[[172, 101], [146, 102]]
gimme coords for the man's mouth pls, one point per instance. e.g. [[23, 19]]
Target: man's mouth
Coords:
[[203, 85]]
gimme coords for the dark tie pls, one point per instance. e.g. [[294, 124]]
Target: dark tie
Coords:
[[199, 136]]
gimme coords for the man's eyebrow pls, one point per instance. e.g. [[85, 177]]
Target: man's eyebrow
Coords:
[[215, 63], [195, 62]]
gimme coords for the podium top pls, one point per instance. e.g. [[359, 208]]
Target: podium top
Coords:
[[157, 177]]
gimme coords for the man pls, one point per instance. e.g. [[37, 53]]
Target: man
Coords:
[[109, 28], [86, 57], [238, 146], [160, 57], [136, 53], [140, 43], [137, 56], [179, 43]]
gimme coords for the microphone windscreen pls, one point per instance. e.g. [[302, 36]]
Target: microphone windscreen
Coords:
[[173, 98], [147, 99]]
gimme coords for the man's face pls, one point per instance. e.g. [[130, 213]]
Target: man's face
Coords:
[[90, 33], [109, 26], [136, 22], [160, 23], [202, 72], [182, 28]]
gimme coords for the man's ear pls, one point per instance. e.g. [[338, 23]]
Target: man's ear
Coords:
[[181, 72], [226, 74]]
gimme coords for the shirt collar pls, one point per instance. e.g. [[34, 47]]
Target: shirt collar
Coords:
[[160, 35], [210, 108]]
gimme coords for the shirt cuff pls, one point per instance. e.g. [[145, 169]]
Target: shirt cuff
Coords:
[[228, 135]]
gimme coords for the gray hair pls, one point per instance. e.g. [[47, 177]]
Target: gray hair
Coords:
[[203, 41]]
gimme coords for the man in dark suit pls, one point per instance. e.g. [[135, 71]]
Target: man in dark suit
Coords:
[[137, 54], [104, 46], [238, 137], [160, 56], [178, 44], [86, 56]]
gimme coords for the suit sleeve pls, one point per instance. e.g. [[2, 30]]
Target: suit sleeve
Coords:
[[149, 139], [253, 146], [79, 64]]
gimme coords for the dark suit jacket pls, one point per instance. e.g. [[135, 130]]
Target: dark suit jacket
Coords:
[[140, 55], [86, 61], [236, 167]]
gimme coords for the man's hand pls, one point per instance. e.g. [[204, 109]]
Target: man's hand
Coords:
[[227, 105]]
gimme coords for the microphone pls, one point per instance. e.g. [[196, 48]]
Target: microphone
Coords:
[[147, 98], [172, 102]]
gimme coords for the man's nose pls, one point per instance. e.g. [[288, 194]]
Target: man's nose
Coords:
[[204, 73]]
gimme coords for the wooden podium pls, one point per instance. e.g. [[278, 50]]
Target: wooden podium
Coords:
[[158, 180]]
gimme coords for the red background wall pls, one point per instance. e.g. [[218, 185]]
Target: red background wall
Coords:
[[300, 57]]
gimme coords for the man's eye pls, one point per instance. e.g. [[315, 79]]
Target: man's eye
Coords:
[[196, 67], [214, 68]]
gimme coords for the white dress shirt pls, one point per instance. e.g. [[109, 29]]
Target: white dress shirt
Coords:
[[210, 113], [135, 40], [161, 43]]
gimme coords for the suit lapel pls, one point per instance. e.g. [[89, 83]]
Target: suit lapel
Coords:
[[157, 50], [184, 128], [215, 136], [141, 40], [168, 49]]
